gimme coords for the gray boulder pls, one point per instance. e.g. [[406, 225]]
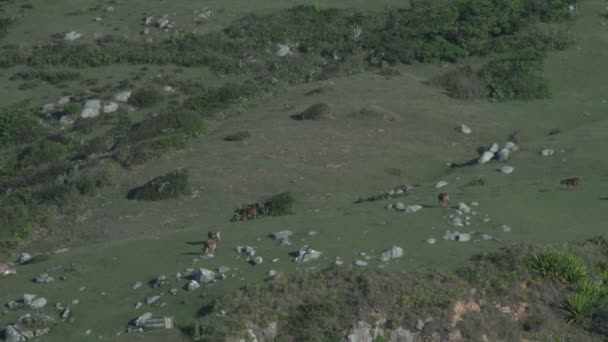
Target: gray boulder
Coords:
[[110, 107], [402, 335], [87, 113], [137, 285], [412, 208], [223, 269], [38, 303], [204, 276], [23, 258], [503, 155], [282, 50], [152, 300], [505, 228], [64, 100], [506, 169], [362, 332], [307, 254], [464, 208], [360, 263], [494, 148], [485, 157], [441, 184], [142, 319], [392, 253], [44, 278], [193, 285], [11, 334], [123, 96], [511, 146], [66, 120], [464, 129], [399, 206]]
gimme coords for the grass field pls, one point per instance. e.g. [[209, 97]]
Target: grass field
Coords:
[[326, 165]]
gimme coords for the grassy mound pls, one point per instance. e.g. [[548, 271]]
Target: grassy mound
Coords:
[[170, 185], [376, 113], [319, 111]]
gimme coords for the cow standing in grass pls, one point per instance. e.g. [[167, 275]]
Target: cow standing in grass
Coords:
[[209, 247], [571, 182], [248, 213], [444, 199], [214, 235]]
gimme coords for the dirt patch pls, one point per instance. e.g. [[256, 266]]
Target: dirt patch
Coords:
[[461, 308]]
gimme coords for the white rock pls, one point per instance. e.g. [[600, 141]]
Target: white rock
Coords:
[[89, 113], [272, 273], [122, 96], [505, 228], [28, 298], [339, 261], [152, 300], [283, 234], [110, 9], [23, 258], [465, 129], [485, 157], [136, 285], [142, 319], [399, 206], [392, 253], [413, 208], [441, 184], [431, 241], [307, 254], [204, 276], [282, 50], [38, 303], [66, 120], [257, 260], [169, 89], [72, 36], [110, 107], [547, 152], [48, 107], [457, 222], [503, 155], [494, 148], [223, 269], [193, 285], [205, 13], [464, 208], [360, 263], [506, 169], [475, 204]]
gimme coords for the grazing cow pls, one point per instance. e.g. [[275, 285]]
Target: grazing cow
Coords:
[[215, 235], [6, 269], [571, 182], [210, 246], [444, 199], [248, 213]]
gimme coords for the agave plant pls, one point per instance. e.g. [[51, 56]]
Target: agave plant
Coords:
[[577, 306], [559, 265]]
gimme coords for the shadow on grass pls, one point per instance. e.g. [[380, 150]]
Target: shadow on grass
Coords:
[[603, 198], [469, 163], [195, 242]]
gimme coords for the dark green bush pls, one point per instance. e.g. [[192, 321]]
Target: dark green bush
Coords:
[[516, 75], [238, 136], [170, 185], [170, 142], [42, 152], [18, 125], [281, 204], [146, 97], [209, 100]]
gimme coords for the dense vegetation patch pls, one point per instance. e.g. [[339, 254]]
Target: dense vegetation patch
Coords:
[[498, 295], [169, 185]]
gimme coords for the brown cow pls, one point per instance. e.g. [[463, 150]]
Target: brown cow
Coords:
[[571, 182], [248, 213], [214, 235], [209, 247], [444, 199]]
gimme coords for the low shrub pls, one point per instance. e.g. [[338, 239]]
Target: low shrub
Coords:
[[186, 122], [146, 97], [238, 136], [319, 111], [280, 204], [169, 185], [558, 265], [463, 83], [52, 77], [170, 142], [42, 152]]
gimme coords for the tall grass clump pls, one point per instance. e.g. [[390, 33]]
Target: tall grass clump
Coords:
[[558, 265], [280, 204]]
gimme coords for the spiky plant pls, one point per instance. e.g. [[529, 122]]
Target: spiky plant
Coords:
[[559, 265]]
